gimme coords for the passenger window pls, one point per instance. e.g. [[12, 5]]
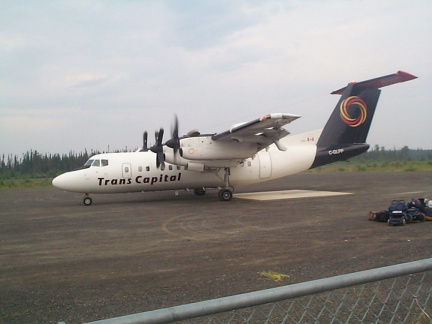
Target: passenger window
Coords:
[[96, 163], [104, 163], [249, 163], [170, 167], [178, 167], [140, 169], [147, 168], [126, 169]]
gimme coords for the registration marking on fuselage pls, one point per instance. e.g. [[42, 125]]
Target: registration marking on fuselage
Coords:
[[288, 194]]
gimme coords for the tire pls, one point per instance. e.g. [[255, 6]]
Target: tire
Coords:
[[225, 195], [87, 201]]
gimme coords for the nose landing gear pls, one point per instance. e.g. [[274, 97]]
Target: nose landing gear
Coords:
[[87, 201]]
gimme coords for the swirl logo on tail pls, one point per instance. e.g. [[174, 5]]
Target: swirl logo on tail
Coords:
[[359, 105]]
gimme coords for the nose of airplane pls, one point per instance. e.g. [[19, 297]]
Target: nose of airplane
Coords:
[[68, 181], [59, 182]]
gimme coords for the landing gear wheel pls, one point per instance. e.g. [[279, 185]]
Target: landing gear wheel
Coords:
[[199, 191], [87, 201], [225, 195]]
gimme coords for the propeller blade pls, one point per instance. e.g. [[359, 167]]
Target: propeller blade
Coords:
[[160, 159], [175, 131], [174, 142], [145, 135], [160, 137]]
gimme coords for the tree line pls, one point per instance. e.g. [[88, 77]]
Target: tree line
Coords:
[[34, 164], [381, 154]]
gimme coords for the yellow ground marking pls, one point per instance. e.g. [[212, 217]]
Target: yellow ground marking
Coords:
[[275, 276]]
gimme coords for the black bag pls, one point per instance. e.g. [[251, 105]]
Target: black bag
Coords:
[[397, 205], [379, 216], [419, 203]]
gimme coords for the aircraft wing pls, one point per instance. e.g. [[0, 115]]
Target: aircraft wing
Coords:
[[262, 131]]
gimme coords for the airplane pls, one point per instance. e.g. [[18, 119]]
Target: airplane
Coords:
[[246, 153]]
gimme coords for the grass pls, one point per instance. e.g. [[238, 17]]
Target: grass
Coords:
[[25, 183], [404, 166]]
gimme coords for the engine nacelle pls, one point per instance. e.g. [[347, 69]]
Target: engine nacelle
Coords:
[[205, 148], [198, 165], [197, 153]]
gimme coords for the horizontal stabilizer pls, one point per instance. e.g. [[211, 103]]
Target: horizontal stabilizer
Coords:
[[381, 81]]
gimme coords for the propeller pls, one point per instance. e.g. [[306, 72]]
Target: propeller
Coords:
[[174, 142], [158, 149]]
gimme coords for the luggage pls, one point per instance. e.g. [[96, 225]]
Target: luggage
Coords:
[[397, 213], [379, 216], [417, 204], [414, 214], [428, 214], [400, 213]]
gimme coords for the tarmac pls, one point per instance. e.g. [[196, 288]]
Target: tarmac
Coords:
[[129, 253]]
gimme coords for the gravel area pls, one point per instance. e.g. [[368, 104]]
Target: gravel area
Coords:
[[129, 253]]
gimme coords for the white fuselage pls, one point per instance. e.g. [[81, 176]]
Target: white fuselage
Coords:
[[137, 171]]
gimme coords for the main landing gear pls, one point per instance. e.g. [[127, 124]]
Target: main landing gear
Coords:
[[225, 194], [87, 201], [200, 191]]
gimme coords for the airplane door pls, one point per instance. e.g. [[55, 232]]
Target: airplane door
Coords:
[[265, 165], [127, 170]]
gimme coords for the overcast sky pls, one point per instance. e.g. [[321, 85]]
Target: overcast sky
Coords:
[[78, 75]]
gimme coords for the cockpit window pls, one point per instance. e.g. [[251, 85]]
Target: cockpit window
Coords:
[[95, 163], [88, 164]]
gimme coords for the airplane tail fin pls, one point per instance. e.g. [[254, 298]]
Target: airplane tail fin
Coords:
[[345, 133]]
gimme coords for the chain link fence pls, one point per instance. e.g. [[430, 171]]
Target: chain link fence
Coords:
[[401, 300], [395, 294]]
